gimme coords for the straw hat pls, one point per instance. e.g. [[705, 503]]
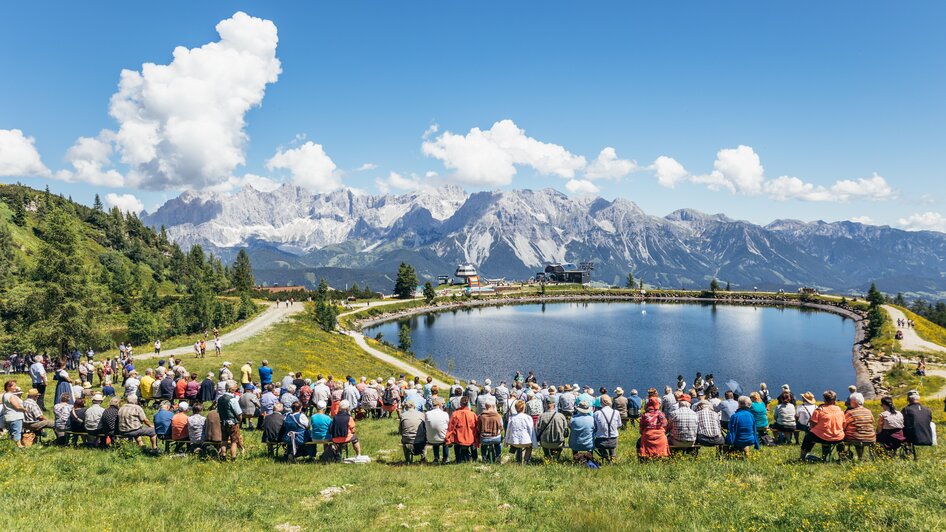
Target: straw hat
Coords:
[[808, 397], [584, 407], [618, 391]]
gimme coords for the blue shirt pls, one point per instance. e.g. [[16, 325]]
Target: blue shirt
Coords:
[[266, 402], [293, 426], [265, 375], [162, 422], [742, 431], [582, 433], [635, 402], [726, 408], [320, 423]]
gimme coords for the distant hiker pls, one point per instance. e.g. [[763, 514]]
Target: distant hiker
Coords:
[[157, 347]]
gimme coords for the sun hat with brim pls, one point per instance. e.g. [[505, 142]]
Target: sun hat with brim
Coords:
[[584, 407], [618, 391], [808, 397], [33, 392]]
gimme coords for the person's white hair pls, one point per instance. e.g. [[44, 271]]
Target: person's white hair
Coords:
[[344, 405], [745, 402], [291, 388], [858, 398], [132, 399], [409, 404]]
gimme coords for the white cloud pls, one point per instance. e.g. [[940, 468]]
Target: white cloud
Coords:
[[874, 188], [669, 172], [308, 166], [18, 155], [366, 166], [927, 221], [125, 202], [582, 187], [91, 162], [432, 129], [608, 166], [401, 182], [866, 220], [261, 183], [490, 157], [181, 125], [737, 169]]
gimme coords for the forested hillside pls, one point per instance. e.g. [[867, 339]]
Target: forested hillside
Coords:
[[73, 276]]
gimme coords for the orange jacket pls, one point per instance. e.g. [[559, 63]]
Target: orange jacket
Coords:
[[462, 428]]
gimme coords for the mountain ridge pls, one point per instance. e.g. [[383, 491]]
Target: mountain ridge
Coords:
[[514, 233]]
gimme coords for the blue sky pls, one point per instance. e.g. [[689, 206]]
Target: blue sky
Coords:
[[843, 99]]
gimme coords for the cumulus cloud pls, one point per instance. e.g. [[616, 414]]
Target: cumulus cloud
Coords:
[[309, 167], [18, 155], [669, 172], [366, 166], [740, 171], [736, 169], [125, 202], [261, 183], [490, 157], [181, 125], [91, 160], [582, 187], [866, 220], [609, 166], [401, 182], [926, 221]]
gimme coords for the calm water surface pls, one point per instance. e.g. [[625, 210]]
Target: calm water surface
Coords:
[[637, 345]]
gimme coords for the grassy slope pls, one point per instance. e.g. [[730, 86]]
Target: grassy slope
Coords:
[[769, 491]]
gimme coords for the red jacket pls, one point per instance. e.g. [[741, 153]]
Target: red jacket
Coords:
[[462, 428]]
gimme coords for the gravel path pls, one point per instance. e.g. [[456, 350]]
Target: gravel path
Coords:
[[912, 341], [266, 319]]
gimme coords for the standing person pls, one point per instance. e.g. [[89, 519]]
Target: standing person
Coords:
[[461, 431], [38, 378], [265, 374], [63, 383], [203, 348], [607, 425], [436, 422], [157, 347], [197, 348], [520, 434], [620, 404], [552, 431], [246, 375], [250, 404], [228, 406], [218, 345], [13, 411]]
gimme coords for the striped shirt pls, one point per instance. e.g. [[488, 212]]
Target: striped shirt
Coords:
[[859, 425]]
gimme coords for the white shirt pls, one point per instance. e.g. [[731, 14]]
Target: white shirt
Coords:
[[804, 413], [37, 372], [521, 430], [435, 423]]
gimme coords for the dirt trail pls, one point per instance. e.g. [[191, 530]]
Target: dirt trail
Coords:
[[912, 341]]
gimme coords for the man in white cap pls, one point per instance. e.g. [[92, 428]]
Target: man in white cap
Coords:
[[93, 418]]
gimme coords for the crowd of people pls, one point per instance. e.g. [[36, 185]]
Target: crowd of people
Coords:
[[472, 422]]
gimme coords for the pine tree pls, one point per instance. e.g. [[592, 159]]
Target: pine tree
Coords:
[[429, 293], [406, 282], [714, 286], [241, 276], [630, 281], [727, 286], [19, 211], [404, 338], [97, 204], [874, 297]]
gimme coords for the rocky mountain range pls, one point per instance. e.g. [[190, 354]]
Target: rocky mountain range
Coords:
[[296, 237]]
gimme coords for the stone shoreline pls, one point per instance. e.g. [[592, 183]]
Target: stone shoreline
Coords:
[[868, 376]]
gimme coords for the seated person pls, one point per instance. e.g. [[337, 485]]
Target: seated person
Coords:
[[195, 426], [890, 426], [709, 432], [295, 430], [826, 424], [77, 421], [162, 420], [342, 429], [320, 422], [784, 416], [411, 429], [682, 423], [133, 422], [858, 424], [179, 426], [916, 421], [272, 424], [742, 433]]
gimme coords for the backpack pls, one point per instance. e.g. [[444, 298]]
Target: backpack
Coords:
[[390, 396]]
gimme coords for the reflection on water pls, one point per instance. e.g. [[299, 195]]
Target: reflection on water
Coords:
[[638, 344]]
